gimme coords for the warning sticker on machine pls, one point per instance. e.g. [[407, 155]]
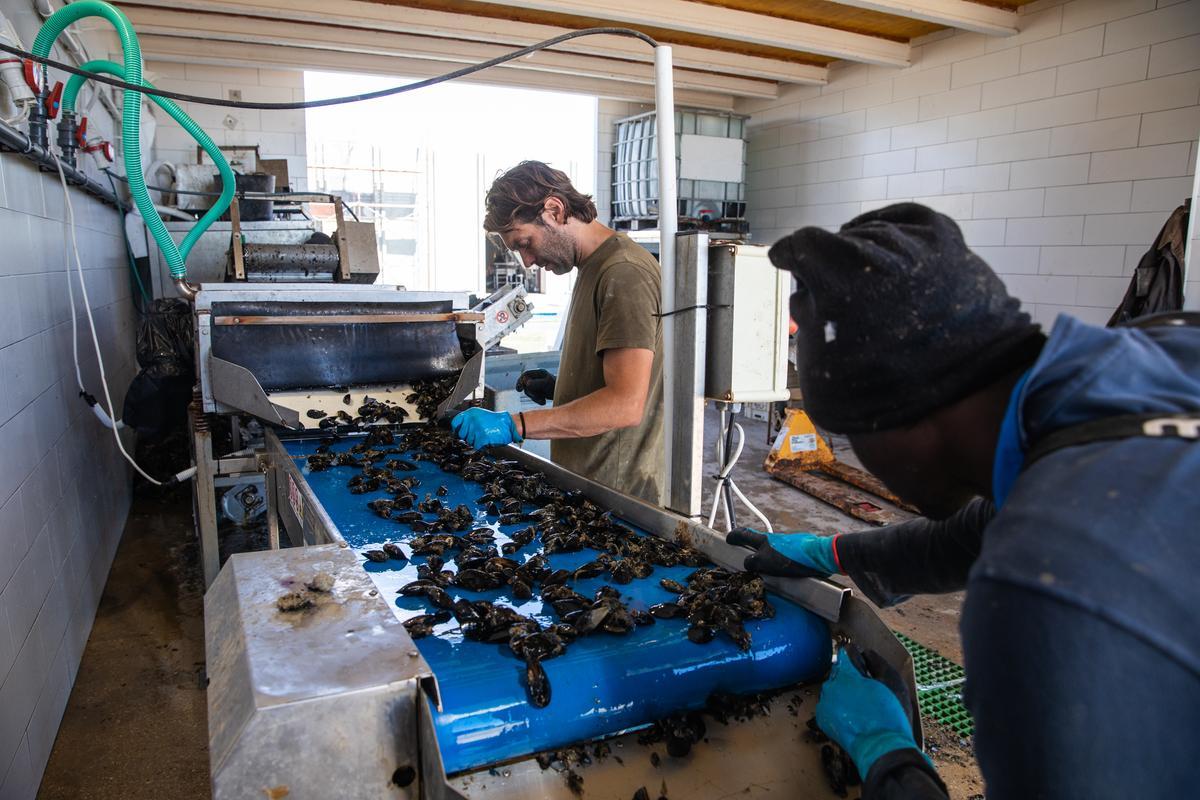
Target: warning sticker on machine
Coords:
[[802, 442], [295, 499]]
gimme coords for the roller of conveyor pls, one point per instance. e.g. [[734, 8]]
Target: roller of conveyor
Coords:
[[603, 684], [314, 258]]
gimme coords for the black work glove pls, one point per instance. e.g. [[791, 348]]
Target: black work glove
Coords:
[[537, 384], [787, 555]]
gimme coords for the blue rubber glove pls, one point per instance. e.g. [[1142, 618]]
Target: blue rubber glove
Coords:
[[862, 715], [788, 555], [481, 427]]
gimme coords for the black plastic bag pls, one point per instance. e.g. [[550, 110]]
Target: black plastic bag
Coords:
[[158, 397]]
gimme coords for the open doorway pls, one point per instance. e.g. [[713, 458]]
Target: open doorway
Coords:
[[419, 164]]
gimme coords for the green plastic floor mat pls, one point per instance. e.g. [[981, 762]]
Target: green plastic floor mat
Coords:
[[939, 687]]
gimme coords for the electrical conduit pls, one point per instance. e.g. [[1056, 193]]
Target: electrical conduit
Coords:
[[188, 124]]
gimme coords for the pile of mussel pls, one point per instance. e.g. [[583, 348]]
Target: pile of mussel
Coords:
[[371, 411], [426, 396], [712, 600]]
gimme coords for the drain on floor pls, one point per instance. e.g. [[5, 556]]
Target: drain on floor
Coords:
[[939, 687]]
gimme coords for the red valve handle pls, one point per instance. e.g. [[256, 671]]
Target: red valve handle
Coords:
[[33, 75], [103, 148], [81, 132], [54, 101]]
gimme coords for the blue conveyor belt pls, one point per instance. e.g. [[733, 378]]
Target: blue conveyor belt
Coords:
[[603, 684]]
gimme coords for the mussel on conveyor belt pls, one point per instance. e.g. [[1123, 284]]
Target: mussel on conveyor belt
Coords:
[[710, 602]]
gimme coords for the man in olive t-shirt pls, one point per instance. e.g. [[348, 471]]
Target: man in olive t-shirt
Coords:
[[606, 423]]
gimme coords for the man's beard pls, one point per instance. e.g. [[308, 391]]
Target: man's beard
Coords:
[[557, 252]]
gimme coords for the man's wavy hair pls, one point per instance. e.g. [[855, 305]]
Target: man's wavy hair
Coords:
[[519, 196]]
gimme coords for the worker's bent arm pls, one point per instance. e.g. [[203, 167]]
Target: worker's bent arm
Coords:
[[620, 403], [921, 556]]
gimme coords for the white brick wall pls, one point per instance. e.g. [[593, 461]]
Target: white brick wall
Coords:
[[64, 490], [1061, 151], [279, 134]]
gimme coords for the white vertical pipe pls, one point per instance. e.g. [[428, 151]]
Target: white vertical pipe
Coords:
[[1189, 249], [668, 225]]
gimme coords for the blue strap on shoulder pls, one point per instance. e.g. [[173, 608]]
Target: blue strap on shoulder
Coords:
[[1010, 450]]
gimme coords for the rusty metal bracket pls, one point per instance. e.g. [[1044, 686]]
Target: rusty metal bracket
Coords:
[[343, 244], [235, 241]]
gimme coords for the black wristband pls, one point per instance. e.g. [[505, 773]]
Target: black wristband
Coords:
[[521, 414]]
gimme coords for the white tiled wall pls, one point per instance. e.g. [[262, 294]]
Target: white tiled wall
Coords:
[[279, 134], [64, 491], [1061, 151]]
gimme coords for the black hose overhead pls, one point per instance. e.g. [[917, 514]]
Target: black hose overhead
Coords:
[[331, 101]]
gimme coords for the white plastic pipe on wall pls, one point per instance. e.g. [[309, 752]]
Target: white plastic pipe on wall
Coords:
[[1189, 245], [12, 76], [668, 225]]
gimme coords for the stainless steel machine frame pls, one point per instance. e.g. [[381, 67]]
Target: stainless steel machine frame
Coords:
[[211, 293], [249, 652], [223, 381], [317, 704]]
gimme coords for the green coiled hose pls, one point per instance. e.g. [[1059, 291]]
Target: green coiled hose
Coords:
[[131, 119], [75, 83]]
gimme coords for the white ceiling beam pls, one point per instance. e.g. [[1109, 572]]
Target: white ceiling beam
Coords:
[[442, 24], [727, 23], [453, 52], [951, 13], [202, 51]]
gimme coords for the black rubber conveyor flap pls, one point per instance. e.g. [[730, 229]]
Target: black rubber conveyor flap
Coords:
[[319, 355]]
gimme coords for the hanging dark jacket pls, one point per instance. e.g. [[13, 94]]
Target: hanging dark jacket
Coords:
[[1079, 624], [1157, 283]]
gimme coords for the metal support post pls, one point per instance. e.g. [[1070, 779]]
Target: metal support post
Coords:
[[686, 436], [205, 499], [668, 225], [271, 489]]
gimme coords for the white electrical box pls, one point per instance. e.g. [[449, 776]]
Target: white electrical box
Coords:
[[747, 325]]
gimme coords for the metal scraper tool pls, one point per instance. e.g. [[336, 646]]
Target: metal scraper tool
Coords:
[[468, 380]]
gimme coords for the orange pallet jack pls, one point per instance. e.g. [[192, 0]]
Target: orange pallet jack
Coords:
[[801, 456]]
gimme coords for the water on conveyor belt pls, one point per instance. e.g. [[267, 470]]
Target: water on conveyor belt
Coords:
[[603, 684]]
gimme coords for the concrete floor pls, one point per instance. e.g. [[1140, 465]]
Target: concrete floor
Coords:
[[135, 725]]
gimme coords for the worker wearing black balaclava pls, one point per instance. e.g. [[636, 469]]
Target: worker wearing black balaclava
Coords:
[[1060, 502]]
